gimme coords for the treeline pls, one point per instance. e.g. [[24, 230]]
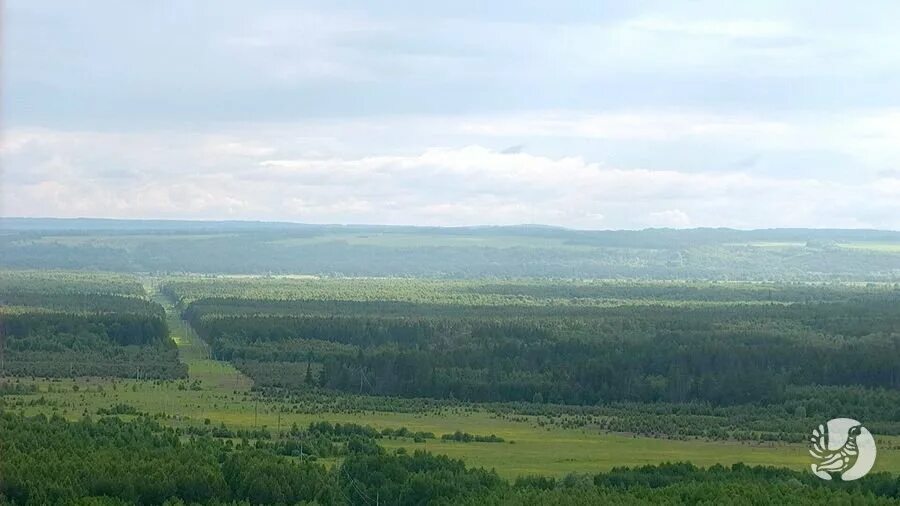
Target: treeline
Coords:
[[48, 331], [465, 437], [52, 461], [73, 325], [48, 282], [279, 292], [723, 354], [678, 291], [145, 362], [85, 303], [461, 253], [788, 420]]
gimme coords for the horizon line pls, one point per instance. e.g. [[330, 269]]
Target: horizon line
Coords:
[[456, 227]]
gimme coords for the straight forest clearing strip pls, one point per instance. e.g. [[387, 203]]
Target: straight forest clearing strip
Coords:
[[215, 392], [195, 353]]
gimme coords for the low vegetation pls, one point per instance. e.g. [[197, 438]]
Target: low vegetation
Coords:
[[410, 391], [109, 461]]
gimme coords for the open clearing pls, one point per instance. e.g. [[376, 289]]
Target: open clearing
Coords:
[[883, 247], [880, 247], [529, 448], [217, 392]]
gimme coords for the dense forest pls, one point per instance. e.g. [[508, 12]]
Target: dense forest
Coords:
[[465, 252], [70, 324], [570, 343], [754, 362], [112, 462]]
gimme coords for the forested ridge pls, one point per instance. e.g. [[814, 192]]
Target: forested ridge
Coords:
[[447, 253]]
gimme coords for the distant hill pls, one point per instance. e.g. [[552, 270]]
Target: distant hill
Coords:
[[241, 247]]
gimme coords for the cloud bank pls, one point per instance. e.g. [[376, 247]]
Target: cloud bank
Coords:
[[580, 114], [212, 176]]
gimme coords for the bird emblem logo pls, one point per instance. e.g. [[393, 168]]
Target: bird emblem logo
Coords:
[[843, 449]]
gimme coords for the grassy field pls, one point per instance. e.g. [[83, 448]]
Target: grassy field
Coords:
[[774, 245], [219, 393], [215, 375], [221, 397], [880, 247], [883, 247]]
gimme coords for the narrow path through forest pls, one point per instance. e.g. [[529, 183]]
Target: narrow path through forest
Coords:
[[194, 352]]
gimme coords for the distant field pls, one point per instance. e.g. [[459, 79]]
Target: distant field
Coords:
[[775, 245], [529, 449], [885, 247], [881, 247], [219, 393]]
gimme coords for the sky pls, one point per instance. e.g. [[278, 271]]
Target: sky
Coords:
[[591, 115]]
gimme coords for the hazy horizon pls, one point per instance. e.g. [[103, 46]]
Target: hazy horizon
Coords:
[[238, 221]]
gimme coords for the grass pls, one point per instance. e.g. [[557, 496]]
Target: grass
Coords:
[[775, 245], [529, 448], [213, 374], [881, 247], [218, 392]]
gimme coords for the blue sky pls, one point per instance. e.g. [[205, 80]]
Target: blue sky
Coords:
[[582, 114]]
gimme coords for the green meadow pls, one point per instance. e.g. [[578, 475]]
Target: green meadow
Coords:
[[217, 393], [882, 247], [878, 247], [221, 397]]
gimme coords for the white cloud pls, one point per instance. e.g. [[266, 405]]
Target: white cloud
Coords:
[[728, 28], [649, 125], [673, 218], [179, 175], [647, 114], [300, 45]]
